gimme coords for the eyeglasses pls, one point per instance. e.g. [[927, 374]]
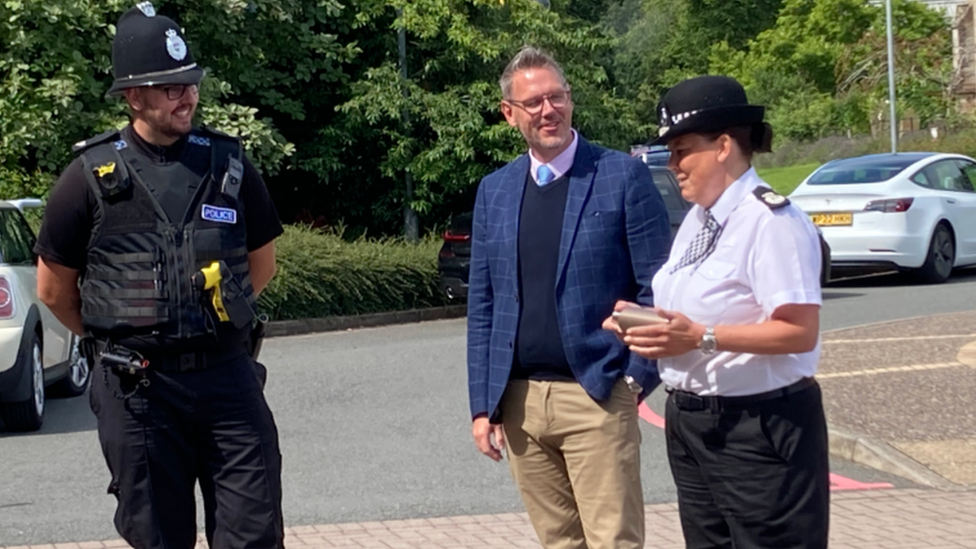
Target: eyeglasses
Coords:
[[558, 100], [176, 91]]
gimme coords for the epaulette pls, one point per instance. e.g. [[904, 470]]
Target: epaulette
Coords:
[[770, 197], [205, 129], [111, 135]]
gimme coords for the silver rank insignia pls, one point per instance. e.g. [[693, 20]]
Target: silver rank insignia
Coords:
[[175, 45], [147, 8], [770, 197]]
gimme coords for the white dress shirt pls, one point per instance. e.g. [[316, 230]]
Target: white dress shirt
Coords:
[[559, 165], [764, 258]]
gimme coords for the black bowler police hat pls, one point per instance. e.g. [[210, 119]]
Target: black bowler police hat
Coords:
[[704, 104], [149, 50]]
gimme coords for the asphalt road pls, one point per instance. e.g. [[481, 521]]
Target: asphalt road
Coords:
[[374, 425]]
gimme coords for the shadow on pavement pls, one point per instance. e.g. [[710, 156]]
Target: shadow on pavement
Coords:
[[61, 415]]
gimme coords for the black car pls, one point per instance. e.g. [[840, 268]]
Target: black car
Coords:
[[455, 255]]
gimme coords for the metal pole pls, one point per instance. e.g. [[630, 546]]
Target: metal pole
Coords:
[[409, 215], [891, 78]]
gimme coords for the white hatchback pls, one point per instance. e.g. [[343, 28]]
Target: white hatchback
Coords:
[[907, 211], [37, 352]]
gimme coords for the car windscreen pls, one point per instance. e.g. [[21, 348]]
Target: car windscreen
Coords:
[[860, 171]]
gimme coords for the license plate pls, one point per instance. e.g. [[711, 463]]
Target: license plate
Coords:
[[832, 219]]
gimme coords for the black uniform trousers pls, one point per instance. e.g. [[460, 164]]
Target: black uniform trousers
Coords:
[[211, 425], [754, 476]]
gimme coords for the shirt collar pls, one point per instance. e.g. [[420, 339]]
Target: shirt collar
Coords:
[[559, 165], [733, 195]]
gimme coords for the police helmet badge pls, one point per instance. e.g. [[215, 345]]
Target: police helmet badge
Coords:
[[147, 9], [175, 45]]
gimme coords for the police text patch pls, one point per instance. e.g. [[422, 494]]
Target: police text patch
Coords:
[[220, 215]]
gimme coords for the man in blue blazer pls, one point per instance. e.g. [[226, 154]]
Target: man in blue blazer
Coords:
[[559, 235]]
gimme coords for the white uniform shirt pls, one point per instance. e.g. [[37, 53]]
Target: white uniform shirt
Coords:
[[764, 258]]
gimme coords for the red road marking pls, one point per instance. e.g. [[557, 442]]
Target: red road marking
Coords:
[[649, 416], [837, 482]]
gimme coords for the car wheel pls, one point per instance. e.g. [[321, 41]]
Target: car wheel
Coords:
[[76, 381], [940, 257], [29, 414]]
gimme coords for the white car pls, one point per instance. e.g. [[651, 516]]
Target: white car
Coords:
[[37, 352], [907, 211]]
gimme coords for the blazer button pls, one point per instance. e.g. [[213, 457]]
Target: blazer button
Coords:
[[510, 344], [516, 298]]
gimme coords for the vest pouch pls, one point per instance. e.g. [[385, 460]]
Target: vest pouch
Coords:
[[125, 291]]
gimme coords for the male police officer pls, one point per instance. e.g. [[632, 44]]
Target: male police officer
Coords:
[[172, 232]]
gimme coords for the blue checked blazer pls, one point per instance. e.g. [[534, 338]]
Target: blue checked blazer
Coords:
[[615, 236]]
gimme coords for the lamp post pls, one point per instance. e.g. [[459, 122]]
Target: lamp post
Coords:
[[409, 215], [891, 78]]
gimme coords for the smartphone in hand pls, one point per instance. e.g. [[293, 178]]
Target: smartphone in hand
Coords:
[[637, 316]]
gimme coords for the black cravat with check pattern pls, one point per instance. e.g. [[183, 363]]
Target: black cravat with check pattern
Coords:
[[703, 244]]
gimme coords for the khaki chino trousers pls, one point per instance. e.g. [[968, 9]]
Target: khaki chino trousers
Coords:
[[576, 462]]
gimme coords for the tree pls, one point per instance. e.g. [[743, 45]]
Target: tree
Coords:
[[822, 68], [457, 51]]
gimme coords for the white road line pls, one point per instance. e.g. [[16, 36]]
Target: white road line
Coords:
[[892, 369], [883, 339]]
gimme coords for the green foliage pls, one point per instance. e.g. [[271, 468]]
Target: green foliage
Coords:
[[456, 135], [320, 274], [662, 42], [823, 66], [313, 86], [784, 180]]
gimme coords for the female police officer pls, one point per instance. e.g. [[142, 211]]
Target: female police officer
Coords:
[[746, 434], [135, 218]]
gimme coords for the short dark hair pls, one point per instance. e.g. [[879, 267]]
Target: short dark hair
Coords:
[[757, 138]]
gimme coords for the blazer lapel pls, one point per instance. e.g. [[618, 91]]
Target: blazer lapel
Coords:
[[518, 173], [580, 183]]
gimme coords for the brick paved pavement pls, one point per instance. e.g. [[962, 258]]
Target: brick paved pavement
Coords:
[[873, 519]]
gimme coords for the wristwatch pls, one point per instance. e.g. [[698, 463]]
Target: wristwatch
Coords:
[[708, 342], [633, 385]]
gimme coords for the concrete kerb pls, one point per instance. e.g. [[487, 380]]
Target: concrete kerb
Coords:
[[879, 455], [280, 328]]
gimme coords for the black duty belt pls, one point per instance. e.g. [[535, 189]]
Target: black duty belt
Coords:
[[692, 402], [183, 362]]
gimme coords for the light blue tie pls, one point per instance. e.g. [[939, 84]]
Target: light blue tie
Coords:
[[543, 176]]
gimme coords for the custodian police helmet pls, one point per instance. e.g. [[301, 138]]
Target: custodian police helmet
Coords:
[[149, 50]]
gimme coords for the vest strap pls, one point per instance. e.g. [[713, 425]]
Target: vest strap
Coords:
[[227, 253], [110, 258], [158, 314], [100, 272], [129, 293]]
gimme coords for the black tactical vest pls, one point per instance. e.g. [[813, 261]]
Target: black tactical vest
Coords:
[[138, 279]]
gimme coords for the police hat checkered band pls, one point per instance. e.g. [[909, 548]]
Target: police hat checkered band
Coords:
[[672, 120]]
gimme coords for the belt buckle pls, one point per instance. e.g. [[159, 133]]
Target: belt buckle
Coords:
[[187, 361], [689, 401]]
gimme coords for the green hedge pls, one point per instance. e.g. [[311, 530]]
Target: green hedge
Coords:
[[320, 274]]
